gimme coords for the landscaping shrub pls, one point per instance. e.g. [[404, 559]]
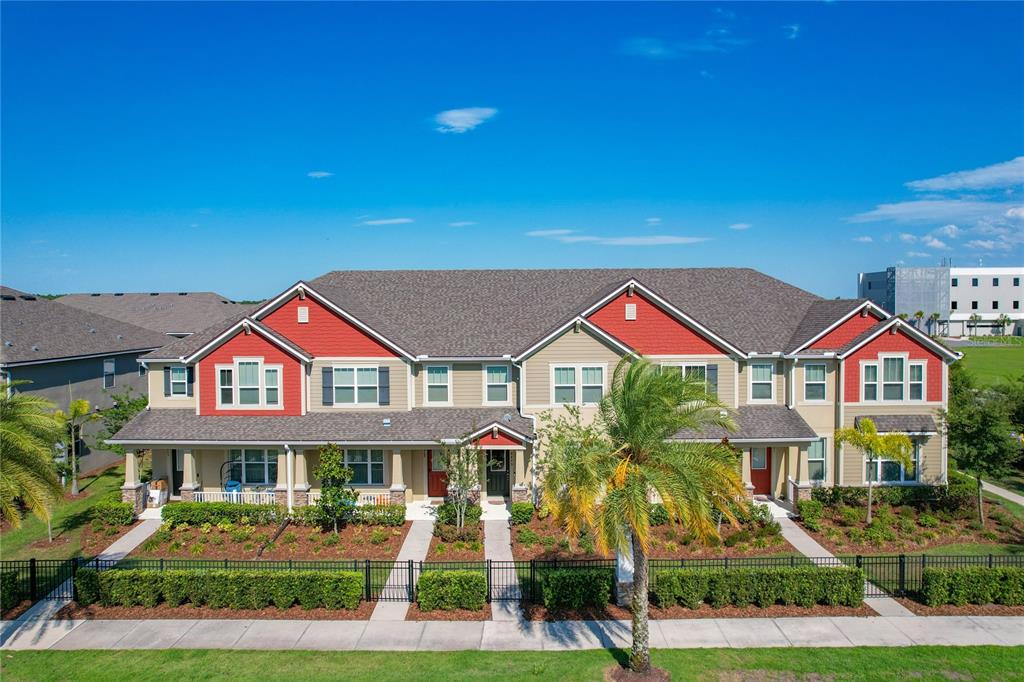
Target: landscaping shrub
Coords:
[[449, 533], [220, 588], [449, 590], [958, 495], [811, 512], [973, 585], [10, 592], [198, 513], [804, 586], [522, 512], [446, 513], [380, 515], [114, 512], [658, 515], [576, 588], [527, 537]]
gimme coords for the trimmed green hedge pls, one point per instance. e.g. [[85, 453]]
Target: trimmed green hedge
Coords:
[[114, 512], [446, 513], [449, 590], [961, 493], [198, 513], [577, 588], [840, 586], [219, 588], [973, 585], [380, 515], [10, 592], [521, 513]]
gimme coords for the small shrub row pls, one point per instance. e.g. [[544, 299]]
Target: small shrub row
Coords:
[[808, 586], [446, 513], [973, 585], [577, 588], [449, 533], [380, 515], [521, 513], [198, 513], [10, 592], [449, 590], [113, 512], [958, 494], [811, 512], [234, 589]]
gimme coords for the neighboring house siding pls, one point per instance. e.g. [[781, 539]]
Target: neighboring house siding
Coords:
[[893, 343], [653, 332], [157, 399], [846, 332], [251, 346], [398, 370], [571, 348], [326, 334]]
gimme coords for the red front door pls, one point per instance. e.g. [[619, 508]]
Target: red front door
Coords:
[[761, 470], [437, 478]]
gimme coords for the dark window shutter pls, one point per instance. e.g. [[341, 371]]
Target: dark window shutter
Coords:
[[712, 377], [191, 380], [328, 391], [383, 385], [167, 381]]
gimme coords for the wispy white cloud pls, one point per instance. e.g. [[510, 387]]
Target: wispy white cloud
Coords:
[[715, 38], [741, 226], [575, 237], [724, 14], [918, 254], [548, 233], [653, 221], [864, 239], [462, 120], [987, 244], [934, 243], [388, 221], [950, 231], [462, 223], [319, 175], [652, 48], [930, 210], [1005, 174], [908, 238], [704, 73], [791, 31]]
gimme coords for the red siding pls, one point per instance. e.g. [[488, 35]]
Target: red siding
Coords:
[[502, 439], [846, 332], [250, 346], [893, 343], [326, 334], [653, 332]]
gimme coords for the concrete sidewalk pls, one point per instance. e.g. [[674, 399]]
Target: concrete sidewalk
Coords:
[[414, 548], [505, 636], [1003, 493]]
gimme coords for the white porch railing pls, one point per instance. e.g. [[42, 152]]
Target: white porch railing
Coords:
[[244, 497], [365, 499]]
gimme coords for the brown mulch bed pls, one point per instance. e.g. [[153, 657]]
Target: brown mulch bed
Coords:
[[93, 542], [618, 673], [456, 551], [458, 614], [300, 543], [74, 611], [966, 610], [537, 612], [15, 611]]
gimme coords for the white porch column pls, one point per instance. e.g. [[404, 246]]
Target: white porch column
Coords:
[[131, 470], [398, 486], [520, 491], [189, 475], [289, 477]]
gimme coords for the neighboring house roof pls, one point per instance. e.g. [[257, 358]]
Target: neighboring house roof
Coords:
[[183, 312], [35, 329], [422, 425], [901, 423], [819, 316], [760, 423]]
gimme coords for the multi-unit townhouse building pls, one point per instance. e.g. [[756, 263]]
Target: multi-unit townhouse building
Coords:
[[391, 364]]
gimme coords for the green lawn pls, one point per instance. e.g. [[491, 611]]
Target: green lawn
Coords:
[[917, 663], [68, 521], [993, 364]]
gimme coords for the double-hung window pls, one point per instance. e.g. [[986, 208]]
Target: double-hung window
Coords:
[[271, 385], [246, 384], [565, 385], [497, 384], [814, 382], [254, 467], [438, 386], [762, 381], [225, 385], [179, 381], [816, 460], [355, 386], [577, 384], [367, 466], [916, 385], [891, 471], [108, 373], [870, 382], [592, 384], [892, 378]]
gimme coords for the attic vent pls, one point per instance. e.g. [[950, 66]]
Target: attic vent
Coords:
[[8, 344], [303, 314], [8, 297], [91, 330], [28, 298], [507, 418], [35, 347], [95, 294], [631, 311], [182, 293], [119, 337], [118, 294], [863, 312], [154, 293], [386, 421]]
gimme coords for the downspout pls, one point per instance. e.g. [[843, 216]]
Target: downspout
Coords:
[[289, 469], [521, 390]]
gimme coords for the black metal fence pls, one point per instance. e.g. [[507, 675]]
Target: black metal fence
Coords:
[[890, 575]]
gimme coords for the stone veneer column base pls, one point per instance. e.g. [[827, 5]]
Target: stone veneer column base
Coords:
[[281, 498], [136, 496], [750, 491], [300, 498], [801, 493], [188, 495], [396, 495], [520, 493]]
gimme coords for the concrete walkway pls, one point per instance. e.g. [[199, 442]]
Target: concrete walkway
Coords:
[[417, 542], [809, 547], [505, 586], [504, 636], [1003, 493]]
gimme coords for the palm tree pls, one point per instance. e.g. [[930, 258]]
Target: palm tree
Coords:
[[79, 413], [28, 433], [974, 319], [918, 316], [600, 477], [894, 446], [933, 320], [1003, 321]]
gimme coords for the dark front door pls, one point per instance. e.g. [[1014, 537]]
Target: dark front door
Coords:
[[497, 473], [761, 470], [437, 477], [177, 472]]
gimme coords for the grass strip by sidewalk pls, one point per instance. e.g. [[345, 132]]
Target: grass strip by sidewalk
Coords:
[[865, 663]]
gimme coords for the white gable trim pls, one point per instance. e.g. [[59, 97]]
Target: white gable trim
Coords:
[[670, 309], [914, 333], [583, 322], [866, 305], [232, 330], [285, 296], [504, 429]]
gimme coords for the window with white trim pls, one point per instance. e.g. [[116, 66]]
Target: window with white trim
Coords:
[[762, 381], [891, 471], [758, 458], [870, 382], [225, 385], [253, 466], [592, 385], [108, 372], [355, 385], [565, 385], [892, 378], [816, 460], [916, 383], [179, 381], [367, 466], [271, 385], [577, 384], [248, 383], [497, 381], [814, 382], [438, 384]]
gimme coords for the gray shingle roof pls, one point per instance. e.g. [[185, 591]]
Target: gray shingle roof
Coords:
[[181, 347], [165, 312], [423, 425], [901, 423], [818, 317], [756, 423], [34, 329]]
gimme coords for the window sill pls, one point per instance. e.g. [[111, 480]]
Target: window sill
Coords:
[[240, 408]]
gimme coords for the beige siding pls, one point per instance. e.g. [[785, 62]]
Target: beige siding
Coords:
[[727, 369], [572, 347], [466, 380], [399, 371], [744, 383], [931, 450], [157, 399]]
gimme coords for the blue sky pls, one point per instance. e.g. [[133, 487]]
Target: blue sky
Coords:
[[240, 147]]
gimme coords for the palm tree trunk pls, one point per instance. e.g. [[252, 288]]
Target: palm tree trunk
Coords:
[[74, 463], [640, 656]]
